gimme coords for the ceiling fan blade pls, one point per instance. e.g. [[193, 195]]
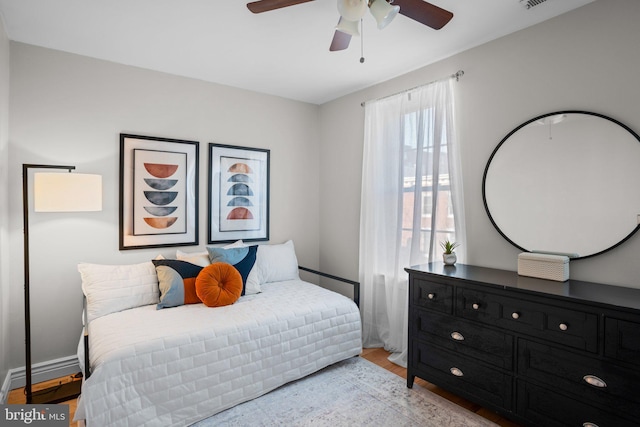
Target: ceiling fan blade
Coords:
[[267, 5], [425, 13], [340, 41]]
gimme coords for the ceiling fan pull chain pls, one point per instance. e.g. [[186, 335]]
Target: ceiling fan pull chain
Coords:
[[361, 41]]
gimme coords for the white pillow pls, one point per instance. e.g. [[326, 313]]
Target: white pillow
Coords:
[[202, 258], [236, 244], [113, 288], [197, 258], [277, 263]]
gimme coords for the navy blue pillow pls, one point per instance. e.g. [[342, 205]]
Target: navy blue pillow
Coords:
[[243, 259], [177, 282]]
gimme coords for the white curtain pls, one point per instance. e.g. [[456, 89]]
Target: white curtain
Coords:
[[411, 201]]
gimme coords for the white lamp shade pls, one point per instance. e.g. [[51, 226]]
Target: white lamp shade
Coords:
[[67, 192], [383, 12], [348, 27], [352, 10]]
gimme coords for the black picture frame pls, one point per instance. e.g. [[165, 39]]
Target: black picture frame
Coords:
[[238, 205], [159, 182]]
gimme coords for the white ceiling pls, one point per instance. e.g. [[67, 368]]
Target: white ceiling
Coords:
[[283, 52]]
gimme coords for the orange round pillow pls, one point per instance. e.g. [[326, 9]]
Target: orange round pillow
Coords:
[[219, 284]]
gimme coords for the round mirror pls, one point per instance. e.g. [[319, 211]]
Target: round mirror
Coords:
[[565, 182]]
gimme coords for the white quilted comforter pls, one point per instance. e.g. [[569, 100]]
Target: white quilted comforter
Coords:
[[175, 366]]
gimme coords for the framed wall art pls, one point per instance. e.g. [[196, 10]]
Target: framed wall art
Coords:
[[159, 180], [238, 193]]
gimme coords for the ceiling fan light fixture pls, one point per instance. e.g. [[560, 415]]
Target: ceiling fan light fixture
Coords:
[[348, 27], [352, 10], [383, 12]]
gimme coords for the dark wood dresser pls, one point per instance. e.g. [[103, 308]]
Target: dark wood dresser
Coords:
[[539, 352]]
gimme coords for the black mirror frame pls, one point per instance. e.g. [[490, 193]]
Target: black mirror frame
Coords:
[[486, 169]]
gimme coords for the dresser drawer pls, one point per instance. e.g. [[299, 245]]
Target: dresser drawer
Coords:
[[543, 407], [433, 296], [622, 340], [467, 377], [602, 383], [463, 337], [566, 326]]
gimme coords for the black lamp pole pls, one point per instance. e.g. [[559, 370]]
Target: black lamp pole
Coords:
[[27, 311]]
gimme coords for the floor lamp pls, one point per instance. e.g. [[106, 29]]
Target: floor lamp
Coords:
[[53, 192]]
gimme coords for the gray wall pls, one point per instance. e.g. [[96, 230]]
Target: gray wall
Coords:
[[70, 109], [586, 59], [4, 210]]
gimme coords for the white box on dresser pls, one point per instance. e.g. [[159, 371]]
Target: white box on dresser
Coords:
[[544, 266]]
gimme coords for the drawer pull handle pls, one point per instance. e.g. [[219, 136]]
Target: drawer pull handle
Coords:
[[515, 315], [457, 336], [431, 296], [475, 306], [563, 326], [594, 381], [588, 424], [457, 372]]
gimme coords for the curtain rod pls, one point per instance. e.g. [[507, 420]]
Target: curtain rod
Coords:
[[456, 76]]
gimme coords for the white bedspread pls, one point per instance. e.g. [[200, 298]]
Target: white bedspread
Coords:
[[175, 366]]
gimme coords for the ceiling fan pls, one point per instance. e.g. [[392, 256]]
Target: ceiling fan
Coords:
[[351, 11]]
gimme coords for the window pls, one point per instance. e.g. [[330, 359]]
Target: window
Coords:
[[408, 204], [419, 178]]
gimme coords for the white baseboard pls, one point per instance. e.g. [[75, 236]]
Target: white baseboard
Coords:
[[6, 388], [40, 372]]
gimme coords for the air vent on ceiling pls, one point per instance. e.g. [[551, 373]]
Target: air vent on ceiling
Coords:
[[531, 3]]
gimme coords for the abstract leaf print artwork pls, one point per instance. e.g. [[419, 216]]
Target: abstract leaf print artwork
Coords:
[[240, 201], [159, 192], [238, 193]]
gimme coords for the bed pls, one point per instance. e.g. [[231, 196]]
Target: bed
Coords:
[[175, 366]]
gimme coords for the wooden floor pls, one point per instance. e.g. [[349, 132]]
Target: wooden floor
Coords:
[[375, 355], [17, 396]]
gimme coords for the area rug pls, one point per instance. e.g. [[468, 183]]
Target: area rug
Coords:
[[354, 392]]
